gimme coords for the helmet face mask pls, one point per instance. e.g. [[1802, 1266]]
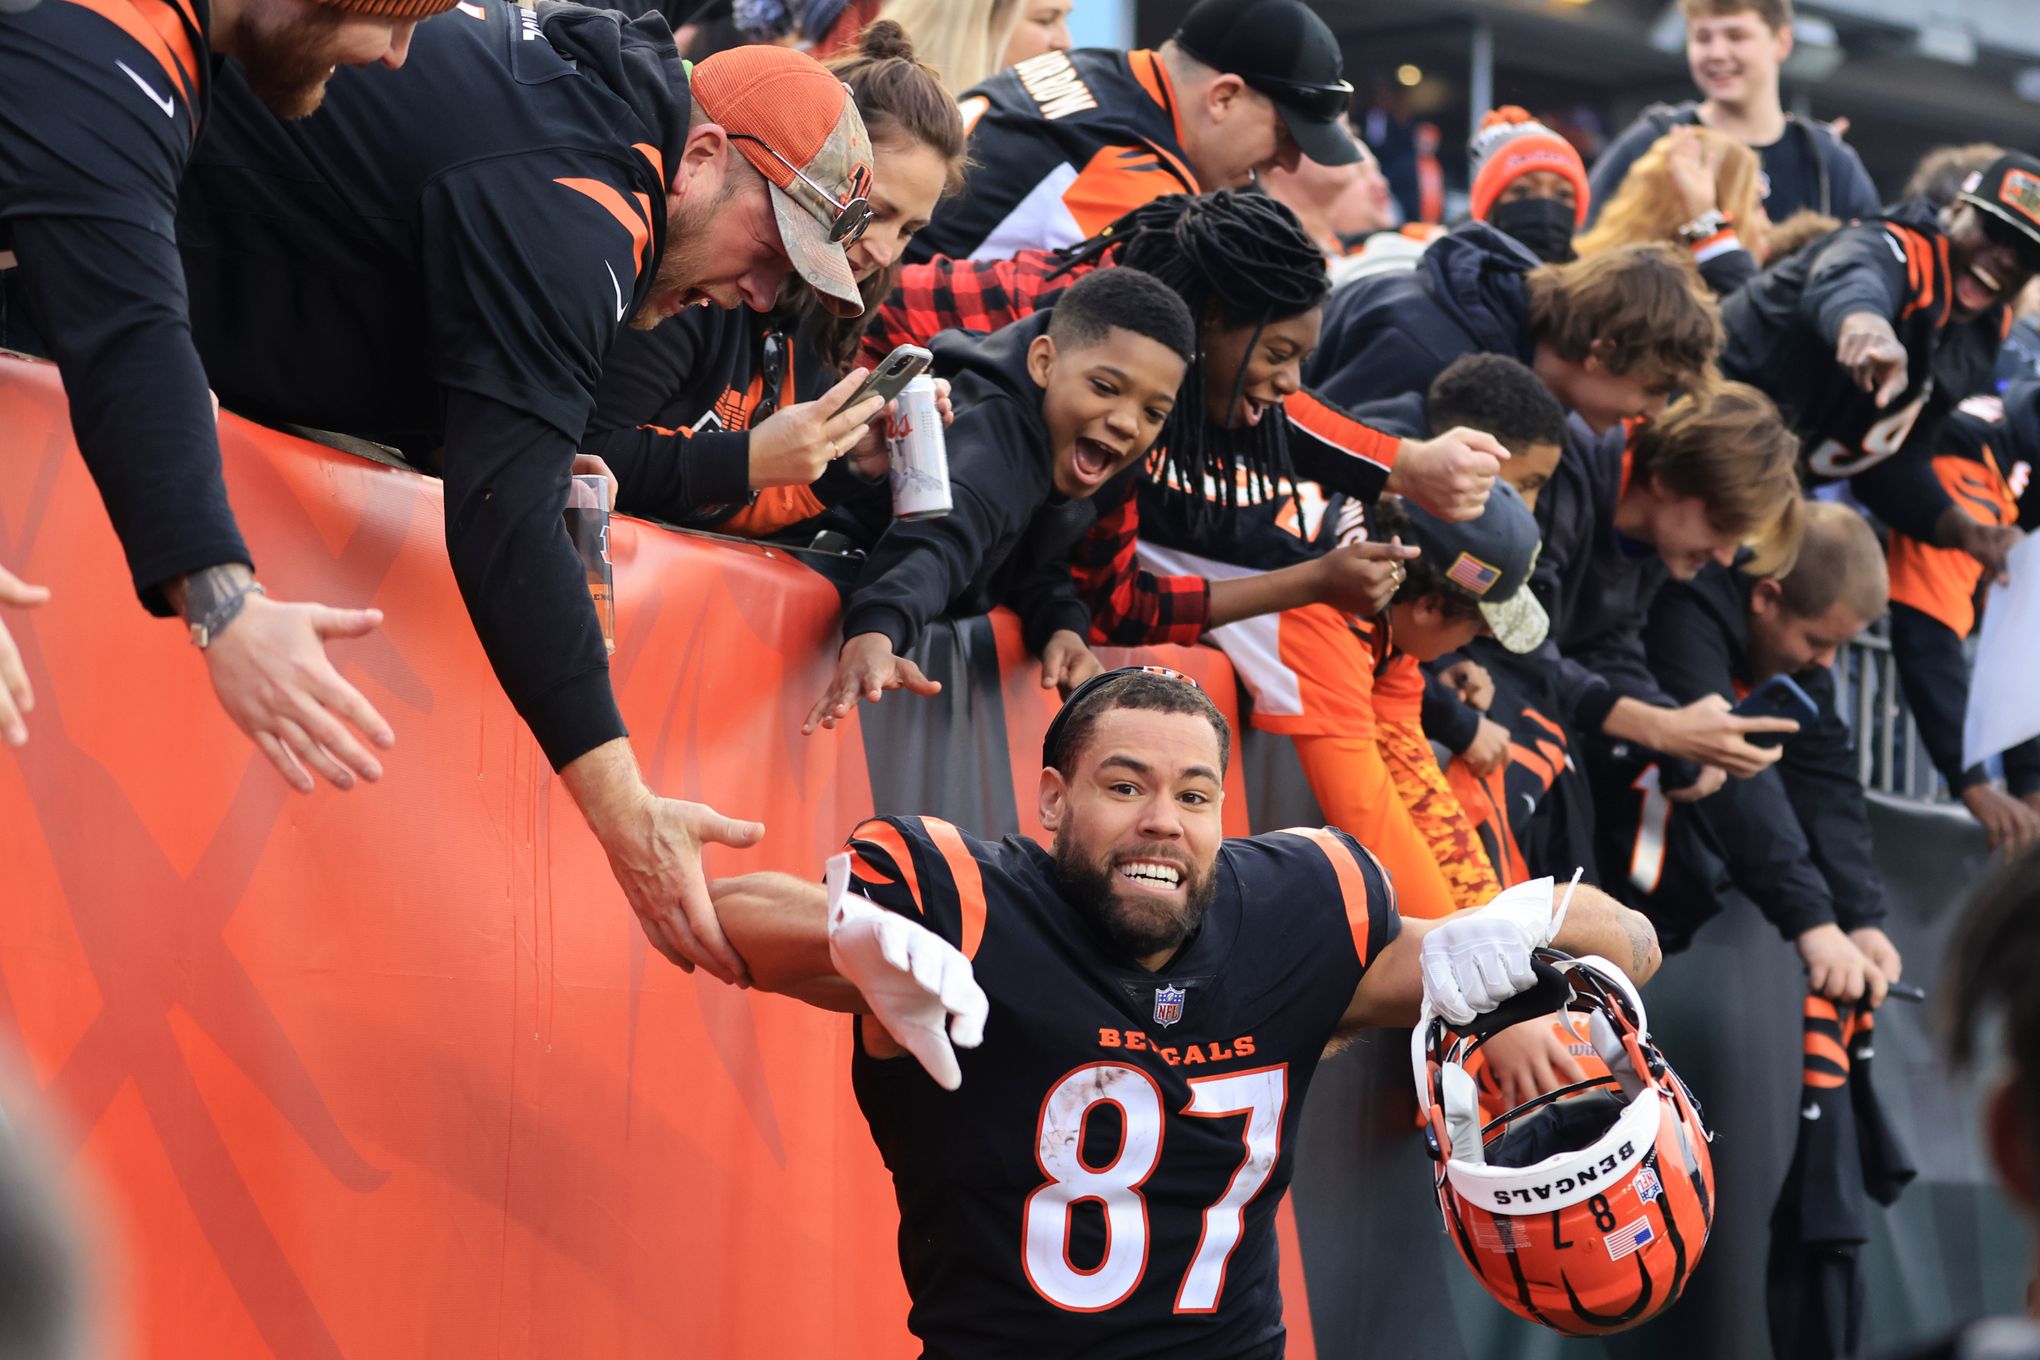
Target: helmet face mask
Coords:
[[1587, 1208]]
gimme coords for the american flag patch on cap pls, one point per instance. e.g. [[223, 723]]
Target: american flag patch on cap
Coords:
[[1627, 1238], [1476, 575]]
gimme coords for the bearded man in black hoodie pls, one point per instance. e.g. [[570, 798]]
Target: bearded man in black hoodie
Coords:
[[449, 252], [1048, 410]]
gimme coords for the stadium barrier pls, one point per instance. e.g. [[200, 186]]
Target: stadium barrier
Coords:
[[392, 1073]]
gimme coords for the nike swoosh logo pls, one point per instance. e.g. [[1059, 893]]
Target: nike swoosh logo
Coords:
[[163, 102], [619, 290]]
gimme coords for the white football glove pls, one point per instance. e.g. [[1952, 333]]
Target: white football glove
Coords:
[[914, 980], [1475, 962]]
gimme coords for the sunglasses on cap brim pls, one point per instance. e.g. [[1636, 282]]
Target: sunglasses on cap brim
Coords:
[[1999, 232], [1319, 103], [853, 215]]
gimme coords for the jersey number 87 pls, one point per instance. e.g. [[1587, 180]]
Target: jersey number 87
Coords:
[[1259, 1095]]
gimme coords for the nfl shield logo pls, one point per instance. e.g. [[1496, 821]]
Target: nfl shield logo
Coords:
[[1168, 1005]]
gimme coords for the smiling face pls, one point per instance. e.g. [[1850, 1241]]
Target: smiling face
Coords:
[[1678, 527], [1990, 260], [911, 176], [1274, 368], [1103, 403], [1735, 58], [1137, 828]]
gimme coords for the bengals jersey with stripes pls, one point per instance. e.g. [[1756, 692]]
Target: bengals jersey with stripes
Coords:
[[440, 260], [1104, 1184], [1061, 146], [100, 103], [1782, 329]]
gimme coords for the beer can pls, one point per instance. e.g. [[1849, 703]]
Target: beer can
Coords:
[[588, 526], [919, 457]]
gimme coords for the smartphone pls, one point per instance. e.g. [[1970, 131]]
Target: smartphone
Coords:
[[892, 375], [1778, 697]]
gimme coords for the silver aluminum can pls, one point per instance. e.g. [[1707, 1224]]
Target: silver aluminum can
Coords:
[[920, 458]]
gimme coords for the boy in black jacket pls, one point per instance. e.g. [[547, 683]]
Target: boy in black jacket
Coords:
[[1049, 409], [1870, 337], [1794, 838]]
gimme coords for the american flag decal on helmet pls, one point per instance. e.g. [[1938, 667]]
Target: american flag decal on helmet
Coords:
[[1168, 1005], [1627, 1238], [1476, 575]]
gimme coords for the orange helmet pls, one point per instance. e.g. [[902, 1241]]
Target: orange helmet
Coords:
[[1585, 1209]]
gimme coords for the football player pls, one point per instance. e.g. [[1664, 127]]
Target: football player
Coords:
[[1143, 1006]]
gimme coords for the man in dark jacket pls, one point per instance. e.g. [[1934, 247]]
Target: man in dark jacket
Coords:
[[1734, 48], [1066, 143], [1794, 838], [1048, 410], [100, 105], [1868, 338], [1612, 336], [463, 240]]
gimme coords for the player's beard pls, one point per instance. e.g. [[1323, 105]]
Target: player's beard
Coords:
[[288, 64], [1139, 926]]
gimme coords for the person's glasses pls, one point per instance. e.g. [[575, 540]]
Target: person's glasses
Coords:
[[771, 377], [853, 215]]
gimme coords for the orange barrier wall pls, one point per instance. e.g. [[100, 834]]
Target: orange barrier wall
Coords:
[[394, 1073]]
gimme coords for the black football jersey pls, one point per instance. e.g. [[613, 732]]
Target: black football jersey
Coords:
[[1105, 1182]]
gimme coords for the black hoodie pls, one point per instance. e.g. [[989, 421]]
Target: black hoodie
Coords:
[[440, 260], [1007, 536], [1794, 838], [1782, 328], [1391, 334]]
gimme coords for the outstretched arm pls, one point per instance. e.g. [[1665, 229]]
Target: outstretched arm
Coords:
[[840, 951], [1487, 949]]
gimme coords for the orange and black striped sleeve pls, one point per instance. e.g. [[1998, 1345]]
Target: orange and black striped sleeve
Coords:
[[1328, 446], [1362, 888], [924, 868]]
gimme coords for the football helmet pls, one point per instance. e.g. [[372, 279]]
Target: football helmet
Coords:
[[1587, 1208]]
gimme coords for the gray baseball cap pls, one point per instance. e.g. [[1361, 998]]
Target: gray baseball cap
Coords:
[[1492, 558]]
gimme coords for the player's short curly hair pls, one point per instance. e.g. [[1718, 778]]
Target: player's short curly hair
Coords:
[[1143, 687]]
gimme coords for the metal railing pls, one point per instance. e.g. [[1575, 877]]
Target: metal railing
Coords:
[[1889, 756]]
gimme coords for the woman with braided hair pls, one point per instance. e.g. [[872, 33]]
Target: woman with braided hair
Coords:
[[1243, 433], [1254, 501]]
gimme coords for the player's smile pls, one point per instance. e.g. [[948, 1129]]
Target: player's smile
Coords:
[[1159, 877]]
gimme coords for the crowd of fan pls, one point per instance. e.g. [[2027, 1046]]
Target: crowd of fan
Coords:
[[1496, 520]]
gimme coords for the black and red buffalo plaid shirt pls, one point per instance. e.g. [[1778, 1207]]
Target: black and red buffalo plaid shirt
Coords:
[[1129, 605]]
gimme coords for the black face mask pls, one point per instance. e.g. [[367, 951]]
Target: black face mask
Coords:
[[1544, 226]]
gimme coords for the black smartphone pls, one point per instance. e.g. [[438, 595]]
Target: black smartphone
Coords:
[[891, 377], [1778, 697]]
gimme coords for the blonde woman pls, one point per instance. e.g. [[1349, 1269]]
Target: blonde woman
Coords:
[[1699, 188], [967, 41]]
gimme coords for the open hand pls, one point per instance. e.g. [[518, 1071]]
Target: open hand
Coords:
[[16, 697], [270, 670], [919, 986], [866, 668]]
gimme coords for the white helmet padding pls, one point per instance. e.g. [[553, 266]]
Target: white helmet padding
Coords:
[[1568, 1176]]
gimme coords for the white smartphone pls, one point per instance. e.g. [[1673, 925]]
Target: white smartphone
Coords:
[[891, 377]]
